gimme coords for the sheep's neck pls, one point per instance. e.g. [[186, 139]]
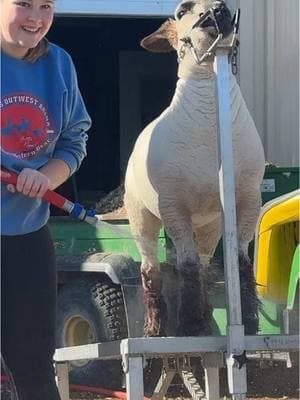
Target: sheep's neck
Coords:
[[194, 102], [189, 69]]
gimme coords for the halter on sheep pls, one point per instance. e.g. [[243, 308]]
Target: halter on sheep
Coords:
[[172, 175]]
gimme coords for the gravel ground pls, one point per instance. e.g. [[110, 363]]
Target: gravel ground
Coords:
[[264, 383]]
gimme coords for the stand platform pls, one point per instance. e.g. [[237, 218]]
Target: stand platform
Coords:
[[134, 352]]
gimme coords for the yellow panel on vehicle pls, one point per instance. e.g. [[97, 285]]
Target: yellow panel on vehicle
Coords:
[[277, 236]]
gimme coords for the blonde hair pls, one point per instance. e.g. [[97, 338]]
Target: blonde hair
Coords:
[[37, 52]]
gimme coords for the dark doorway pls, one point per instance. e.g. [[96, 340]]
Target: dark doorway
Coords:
[[95, 45]]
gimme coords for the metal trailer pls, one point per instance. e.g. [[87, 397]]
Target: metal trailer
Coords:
[[176, 352]]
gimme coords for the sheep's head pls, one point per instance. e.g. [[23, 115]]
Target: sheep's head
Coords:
[[190, 22]]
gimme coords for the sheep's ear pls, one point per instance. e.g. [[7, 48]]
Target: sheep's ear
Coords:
[[163, 40]]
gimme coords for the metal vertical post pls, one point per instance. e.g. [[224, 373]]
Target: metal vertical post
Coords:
[[212, 362], [133, 369], [237, 379], [212, 387], [134, 378], [62, 373]]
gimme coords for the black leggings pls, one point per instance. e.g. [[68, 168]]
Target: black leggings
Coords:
[[28, 312]]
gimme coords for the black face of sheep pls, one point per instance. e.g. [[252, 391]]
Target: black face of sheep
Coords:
[[217, 16], [192, 32]]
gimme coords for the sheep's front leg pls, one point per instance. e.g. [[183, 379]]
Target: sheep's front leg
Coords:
[[145, 227], [194, 309], [155, 306], [156, 310]]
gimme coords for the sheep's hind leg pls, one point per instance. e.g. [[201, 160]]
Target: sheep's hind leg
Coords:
[[193, 302], [145, 227], [250, 302], [247, 215]]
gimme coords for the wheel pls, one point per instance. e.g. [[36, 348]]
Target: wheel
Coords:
[[89, 311]]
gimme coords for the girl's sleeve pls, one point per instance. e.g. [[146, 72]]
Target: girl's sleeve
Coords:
[[71, 145]]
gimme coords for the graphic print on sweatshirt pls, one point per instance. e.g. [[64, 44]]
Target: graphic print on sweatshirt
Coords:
[[26, 126]]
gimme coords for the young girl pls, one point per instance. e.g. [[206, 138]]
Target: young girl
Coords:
[[43, 138]]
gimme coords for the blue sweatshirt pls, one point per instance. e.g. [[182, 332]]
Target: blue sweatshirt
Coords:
[[42, 117]]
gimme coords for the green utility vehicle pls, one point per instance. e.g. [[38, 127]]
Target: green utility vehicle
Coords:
[[99, 289]]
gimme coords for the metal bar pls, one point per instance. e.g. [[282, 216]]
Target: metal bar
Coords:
[[212, 383], [173, 345], [163, 385], [239, 397], [272, 342], [62, 373], [212, 362], [134, 378], [192, 385], [227, 188], [237, 378], [103, 351]]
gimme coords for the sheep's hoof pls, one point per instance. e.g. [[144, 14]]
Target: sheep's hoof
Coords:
[[153, 331], [154, 328]]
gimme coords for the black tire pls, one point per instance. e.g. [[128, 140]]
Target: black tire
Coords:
[[89, 311]]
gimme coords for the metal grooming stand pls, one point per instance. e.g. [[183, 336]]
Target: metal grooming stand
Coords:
[[237, 378], [176, 351], [133, 351]]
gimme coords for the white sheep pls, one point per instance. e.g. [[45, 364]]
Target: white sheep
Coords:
[[172, 176]]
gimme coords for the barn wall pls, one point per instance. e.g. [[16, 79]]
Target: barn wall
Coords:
[[269, 73]]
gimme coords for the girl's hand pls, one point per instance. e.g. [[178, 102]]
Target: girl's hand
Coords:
[[6, 174], [31, 183]]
